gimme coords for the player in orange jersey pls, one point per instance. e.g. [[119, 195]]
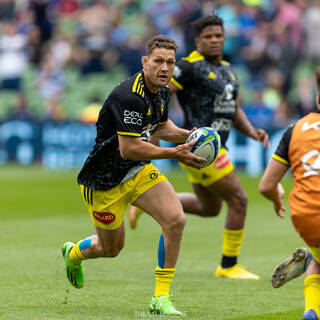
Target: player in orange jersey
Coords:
[[299, 149]]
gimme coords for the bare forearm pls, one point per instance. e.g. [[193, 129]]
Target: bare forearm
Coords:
[[271, 194], [243, 125], [171, 133], [146, 151]]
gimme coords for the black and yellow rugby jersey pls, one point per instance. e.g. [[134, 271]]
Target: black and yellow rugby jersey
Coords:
[[130, 110], [207, 93]]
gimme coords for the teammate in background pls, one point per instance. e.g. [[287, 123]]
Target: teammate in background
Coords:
[[118, 171], [207, 89], [299, 149]]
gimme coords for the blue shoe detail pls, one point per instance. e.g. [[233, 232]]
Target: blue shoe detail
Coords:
[[307, 260], [310, 314]]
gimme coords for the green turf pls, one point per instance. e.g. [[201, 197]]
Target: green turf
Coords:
[[40, 210]]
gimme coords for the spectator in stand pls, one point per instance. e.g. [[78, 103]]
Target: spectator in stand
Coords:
[[13, 56], [7, 10], [60, 50], [258, 112], [21, 109], [282, 54], [51, 83], [305, 95], [255, 53], [311, 22], [290, 15], [44, 19], [92, 48], [68, 7], [90, 113], [228, 13]]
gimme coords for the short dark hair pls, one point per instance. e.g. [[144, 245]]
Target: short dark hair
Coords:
[[317, 73], [160, 41], [199, 24]]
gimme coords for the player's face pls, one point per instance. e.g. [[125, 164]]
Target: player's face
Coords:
[[158, 68], [210, 42]]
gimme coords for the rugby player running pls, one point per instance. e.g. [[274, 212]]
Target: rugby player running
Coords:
[[299, 149], [118, 171], [207, 90]]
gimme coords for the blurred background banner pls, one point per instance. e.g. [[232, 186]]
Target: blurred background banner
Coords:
[[59, 60], [66, 145]]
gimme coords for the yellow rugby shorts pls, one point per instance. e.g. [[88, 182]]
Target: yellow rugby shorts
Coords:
[[107, 208], [211, 174]]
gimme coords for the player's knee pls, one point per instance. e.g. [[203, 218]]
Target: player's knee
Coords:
[[111, 252], [210, 210], [176, 223], [239, 201]]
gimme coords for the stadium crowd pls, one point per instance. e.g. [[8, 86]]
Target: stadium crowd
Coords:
[[60, 58]]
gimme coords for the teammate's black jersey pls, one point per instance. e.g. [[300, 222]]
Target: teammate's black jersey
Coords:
[[207, 93], [130, 110], [282, 152]]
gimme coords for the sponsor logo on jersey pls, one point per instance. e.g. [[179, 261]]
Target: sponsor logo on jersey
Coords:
[[132, 117], [147, 131], [225, 102], [154, 174], [177, 72], [104, 217], [306, 126], [221, 124], [162, 107]]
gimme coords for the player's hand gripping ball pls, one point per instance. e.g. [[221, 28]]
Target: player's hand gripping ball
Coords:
[[207, 144]]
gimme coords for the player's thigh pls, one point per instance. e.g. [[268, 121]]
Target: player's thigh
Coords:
[[107, 208], [162, 203], [229, 188], [210, 202]]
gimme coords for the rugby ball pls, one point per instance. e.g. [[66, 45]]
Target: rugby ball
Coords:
[[207, 144]]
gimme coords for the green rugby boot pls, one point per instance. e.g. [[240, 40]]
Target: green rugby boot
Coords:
[[163, 305], [291, 267], [74, 271]]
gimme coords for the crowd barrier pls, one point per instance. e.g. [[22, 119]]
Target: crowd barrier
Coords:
[[65, 145]]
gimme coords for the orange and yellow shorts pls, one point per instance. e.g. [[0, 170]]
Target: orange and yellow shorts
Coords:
[[308, 226], [107, 208], [211, 174]]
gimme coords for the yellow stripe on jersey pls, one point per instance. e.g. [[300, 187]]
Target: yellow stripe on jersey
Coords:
[[225, 62], [149, 112], [138, 86], [194, 56], [281, 160], [176, 83], [134, 134], [161, 123]]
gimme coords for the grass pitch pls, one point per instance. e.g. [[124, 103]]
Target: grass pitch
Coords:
[[40, 210]]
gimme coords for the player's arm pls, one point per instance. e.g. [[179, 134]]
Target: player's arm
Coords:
[[243, 125], [136, 149], [171, 133], [270, 186]]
